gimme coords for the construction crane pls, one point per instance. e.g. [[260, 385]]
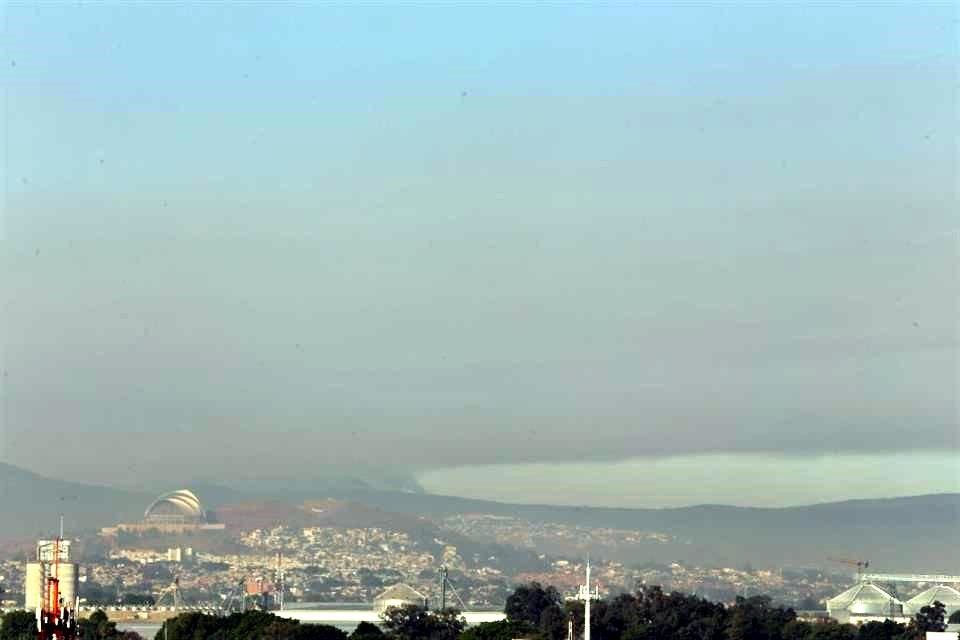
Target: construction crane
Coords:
[[861, 565]]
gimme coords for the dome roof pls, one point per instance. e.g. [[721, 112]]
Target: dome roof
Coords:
[[180, 503], [864, 593], [939, 593]]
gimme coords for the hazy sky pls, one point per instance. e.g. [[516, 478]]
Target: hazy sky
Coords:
[[266, 238]]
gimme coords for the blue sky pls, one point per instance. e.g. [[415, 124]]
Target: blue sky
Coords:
[[403, 233]]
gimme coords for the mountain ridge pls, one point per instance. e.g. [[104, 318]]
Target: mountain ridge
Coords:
[[902, 533]]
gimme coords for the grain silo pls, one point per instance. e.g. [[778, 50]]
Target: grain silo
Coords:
[[69, 583], [33, 586], [35, 583]]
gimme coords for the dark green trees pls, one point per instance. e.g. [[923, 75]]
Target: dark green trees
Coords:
[[250, 625], [367, 631], [886, 630], [18, 625], [931, 618], [413, 622], [528, 602]]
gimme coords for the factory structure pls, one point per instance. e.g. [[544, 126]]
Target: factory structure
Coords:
[[51, 590], [875, 597], [178, 511], [52, 559]]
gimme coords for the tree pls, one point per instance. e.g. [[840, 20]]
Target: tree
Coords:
[[756, 619], [502, 630], [367, 631], [553, 623], [954, 617], [414, 622], [832, 631], [796, 630], [318, 632], [931, 618], [886, 630], [528, 602], [18, 625], [259, 625], [97, 625]]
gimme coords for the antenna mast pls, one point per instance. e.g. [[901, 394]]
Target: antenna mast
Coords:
[[587, 595]]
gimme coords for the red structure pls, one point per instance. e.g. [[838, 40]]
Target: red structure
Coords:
[[54, 620]]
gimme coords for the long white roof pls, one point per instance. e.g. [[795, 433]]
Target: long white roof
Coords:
[[941, 592], [862, 592]]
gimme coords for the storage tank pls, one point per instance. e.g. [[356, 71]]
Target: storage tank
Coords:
[[33, 586], [36, 579], [69, 582]]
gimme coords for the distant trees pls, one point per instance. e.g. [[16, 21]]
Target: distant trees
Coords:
[[528, 602], [18, 625], [137, 600], [502, 630], [414, 622], [367, 631], [756, 618], [886, 630], [536, 612], [249, 625], [954, 617]]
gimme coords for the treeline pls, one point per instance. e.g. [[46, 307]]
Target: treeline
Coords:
[[533, 612], [539, 613]]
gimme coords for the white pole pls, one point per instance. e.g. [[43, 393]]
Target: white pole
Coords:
[[586, 607]]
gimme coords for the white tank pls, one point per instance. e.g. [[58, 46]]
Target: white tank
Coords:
[[36, 579], [69, 584], [33, 586]]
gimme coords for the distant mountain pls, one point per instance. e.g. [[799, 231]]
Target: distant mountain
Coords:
[[30, 505], [915, 534]]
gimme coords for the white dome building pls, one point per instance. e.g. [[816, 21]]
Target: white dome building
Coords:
[[176, 507]]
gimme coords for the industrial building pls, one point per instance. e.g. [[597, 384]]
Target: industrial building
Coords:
[[949, 596], [43, 567], [868, 600], [865, 602], [399, 595]]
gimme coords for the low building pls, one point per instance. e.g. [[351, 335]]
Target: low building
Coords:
[[399, 595]]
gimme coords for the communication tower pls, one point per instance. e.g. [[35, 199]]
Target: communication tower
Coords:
[[587, 595]]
